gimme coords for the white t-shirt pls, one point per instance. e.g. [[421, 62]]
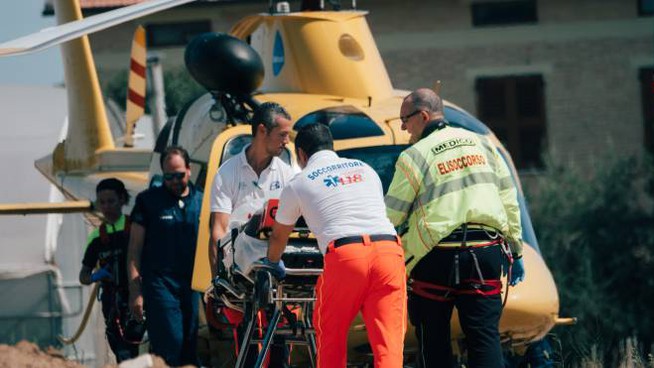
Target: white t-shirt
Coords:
[[238, 191], [338, 197]]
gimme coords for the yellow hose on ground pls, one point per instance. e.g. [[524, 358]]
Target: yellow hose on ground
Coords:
[[85, 319]]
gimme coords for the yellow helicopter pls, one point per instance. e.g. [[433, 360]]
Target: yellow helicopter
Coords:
[[323, 66]]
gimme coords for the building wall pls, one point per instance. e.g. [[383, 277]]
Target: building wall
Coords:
[[587, 51]]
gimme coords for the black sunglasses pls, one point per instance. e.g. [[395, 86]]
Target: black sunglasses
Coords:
[[175, 175], [406, 118]]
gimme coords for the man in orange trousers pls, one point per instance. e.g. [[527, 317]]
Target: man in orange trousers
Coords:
[[342, 202]]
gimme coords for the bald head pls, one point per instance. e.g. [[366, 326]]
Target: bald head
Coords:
[[427, 100]]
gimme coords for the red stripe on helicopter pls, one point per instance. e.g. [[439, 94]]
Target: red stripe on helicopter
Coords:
[[137, 68], [136, 98]]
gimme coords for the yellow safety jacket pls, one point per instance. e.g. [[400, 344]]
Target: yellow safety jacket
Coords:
[[451, 177]]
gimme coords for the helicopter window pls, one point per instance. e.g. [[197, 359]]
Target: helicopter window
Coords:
[[381, 158], [528, 233], [199, 173], [462, 119], [350, 48], [235, 145], [344, 122]]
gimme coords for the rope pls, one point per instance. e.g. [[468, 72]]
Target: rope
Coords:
[[85, 319]]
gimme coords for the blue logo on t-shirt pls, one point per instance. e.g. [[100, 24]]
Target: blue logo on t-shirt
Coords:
[[331, 181], [278, 55]]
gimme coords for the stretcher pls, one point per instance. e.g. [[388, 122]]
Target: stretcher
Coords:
[[253, 302]]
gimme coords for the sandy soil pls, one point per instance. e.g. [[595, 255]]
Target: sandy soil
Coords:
[[28, 355]]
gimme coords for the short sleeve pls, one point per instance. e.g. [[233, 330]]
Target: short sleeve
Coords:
[[91, 254], [288, 211], [222, 193], [139, 214]]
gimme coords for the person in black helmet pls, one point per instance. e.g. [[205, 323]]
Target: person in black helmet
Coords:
[[107, 249]]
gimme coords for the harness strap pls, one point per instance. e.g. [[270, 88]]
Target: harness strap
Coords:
[[422, 288], [119, 316], [104, 235], [460, 246], [426, 289]]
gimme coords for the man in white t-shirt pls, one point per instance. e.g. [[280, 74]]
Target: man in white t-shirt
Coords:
[[342, 202], [242, 185], [246, 181]]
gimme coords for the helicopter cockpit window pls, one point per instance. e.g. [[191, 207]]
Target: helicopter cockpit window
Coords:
[[235, 145], [528, 233], [462, 119], [198, 173], [381, 158], [344, 122]]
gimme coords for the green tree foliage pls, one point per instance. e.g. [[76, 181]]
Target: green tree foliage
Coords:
[[179, 87], [596, 233]]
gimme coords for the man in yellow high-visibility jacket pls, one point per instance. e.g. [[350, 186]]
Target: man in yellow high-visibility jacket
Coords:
[[454, 193]]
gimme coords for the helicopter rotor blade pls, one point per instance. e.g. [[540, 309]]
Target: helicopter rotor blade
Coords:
[[53, 36]]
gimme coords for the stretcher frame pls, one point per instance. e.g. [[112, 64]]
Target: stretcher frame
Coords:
[[260, 291]]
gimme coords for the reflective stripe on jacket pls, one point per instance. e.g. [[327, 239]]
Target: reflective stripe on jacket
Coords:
[[449, 178]]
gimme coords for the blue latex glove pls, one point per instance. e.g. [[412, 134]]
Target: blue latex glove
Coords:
[[277, 269], [517, 272], [100, 274]]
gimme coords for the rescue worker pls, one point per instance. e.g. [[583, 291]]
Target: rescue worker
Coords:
[[244, 183], [456, 194], [342, 202], [107, 248], [160, 260]]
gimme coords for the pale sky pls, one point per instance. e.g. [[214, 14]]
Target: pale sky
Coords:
[[19, 18]]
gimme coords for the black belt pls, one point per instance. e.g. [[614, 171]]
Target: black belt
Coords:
[[359, 239], [456, 236]]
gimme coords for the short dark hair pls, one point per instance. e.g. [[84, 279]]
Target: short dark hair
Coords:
[[115, 185], [175, 150], [313, 138], [266, 114]]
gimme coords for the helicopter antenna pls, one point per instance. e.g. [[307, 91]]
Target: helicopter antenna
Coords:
[[437, 87]]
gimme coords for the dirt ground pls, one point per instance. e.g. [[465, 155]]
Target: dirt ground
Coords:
[[27, 355]]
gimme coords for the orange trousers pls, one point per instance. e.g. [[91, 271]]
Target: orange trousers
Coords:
[[367, 277]]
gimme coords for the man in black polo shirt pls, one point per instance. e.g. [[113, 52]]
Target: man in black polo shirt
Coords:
[[160, 260]]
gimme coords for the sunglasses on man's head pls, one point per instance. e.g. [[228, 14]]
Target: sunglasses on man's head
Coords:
[[175, 175]]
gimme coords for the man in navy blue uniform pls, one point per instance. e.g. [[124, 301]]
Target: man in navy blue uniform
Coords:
[[160, 260]]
